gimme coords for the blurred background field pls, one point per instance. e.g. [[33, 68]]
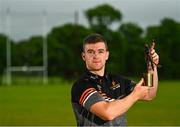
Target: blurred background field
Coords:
[[40, 55], [38, 104]]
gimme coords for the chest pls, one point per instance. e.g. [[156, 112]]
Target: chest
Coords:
[[110, 89]]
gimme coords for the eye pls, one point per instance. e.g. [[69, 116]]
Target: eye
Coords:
[[101, 51], [90, 52]]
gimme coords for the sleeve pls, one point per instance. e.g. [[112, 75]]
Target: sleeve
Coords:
[[89, 97], [86, 95]]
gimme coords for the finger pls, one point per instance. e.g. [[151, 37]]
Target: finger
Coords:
[[152, 51], [154, 55], [156, 61], [140, 82]]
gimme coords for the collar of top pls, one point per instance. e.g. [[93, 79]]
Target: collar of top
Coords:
[[96, 78]]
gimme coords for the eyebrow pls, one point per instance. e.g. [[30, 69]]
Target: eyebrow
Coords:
[[101, 50], [90, 50], [98, 50]]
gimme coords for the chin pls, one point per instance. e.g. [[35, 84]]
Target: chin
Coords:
[[96, 68]]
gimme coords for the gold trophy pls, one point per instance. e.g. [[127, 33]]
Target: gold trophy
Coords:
[[148, 79], [148, 76]]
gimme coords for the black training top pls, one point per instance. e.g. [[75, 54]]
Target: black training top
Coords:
[[90, 89]]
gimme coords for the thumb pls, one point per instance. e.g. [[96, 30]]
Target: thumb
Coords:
[[140, 83]]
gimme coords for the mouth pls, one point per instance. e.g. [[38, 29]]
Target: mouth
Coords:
[[96, 62]]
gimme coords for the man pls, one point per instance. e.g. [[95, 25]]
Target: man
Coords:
[[102, 99]]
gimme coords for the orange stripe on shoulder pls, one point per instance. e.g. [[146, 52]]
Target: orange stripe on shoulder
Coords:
[[85, 94]]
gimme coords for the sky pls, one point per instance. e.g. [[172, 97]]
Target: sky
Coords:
[[21, 19]]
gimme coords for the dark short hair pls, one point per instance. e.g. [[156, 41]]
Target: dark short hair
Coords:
[[94, 38]]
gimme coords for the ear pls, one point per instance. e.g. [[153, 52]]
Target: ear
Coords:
[[83, 56], [107, 55]]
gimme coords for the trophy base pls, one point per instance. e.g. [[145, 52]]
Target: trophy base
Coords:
[[148, 79]]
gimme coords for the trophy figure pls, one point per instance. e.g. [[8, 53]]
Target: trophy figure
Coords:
[[148, 76]]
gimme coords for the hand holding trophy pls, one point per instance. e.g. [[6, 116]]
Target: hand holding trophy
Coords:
[[148, 76]]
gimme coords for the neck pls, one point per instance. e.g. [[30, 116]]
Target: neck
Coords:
[[98, 72]]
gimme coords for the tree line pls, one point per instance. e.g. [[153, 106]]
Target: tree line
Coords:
[[126, 45]]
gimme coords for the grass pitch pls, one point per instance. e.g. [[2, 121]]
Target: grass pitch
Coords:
[[27, 104]]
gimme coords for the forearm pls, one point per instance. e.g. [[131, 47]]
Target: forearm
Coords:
[[119, 107], [113, 109], [155, 77], [153, 90], [154, 62]]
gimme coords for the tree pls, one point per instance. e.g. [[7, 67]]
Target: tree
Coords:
[[133, 48], [168, 46], [64, 48], [169, 40], [102, 16], [115, 63], [28, 52]]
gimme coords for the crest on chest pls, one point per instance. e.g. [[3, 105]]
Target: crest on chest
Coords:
[[115, 85]]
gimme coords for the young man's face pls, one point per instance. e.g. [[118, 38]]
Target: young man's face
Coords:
[[95, 56]]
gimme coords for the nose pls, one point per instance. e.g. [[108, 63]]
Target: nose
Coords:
[[95, 55]]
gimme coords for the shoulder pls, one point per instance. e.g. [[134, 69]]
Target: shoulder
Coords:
[[80, 86], [81, 83]]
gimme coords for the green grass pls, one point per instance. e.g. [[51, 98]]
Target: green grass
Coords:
[[36, 105], [164, 110], [50, 105]]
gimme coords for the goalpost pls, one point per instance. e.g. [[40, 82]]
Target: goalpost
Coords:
[[10, 68]]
